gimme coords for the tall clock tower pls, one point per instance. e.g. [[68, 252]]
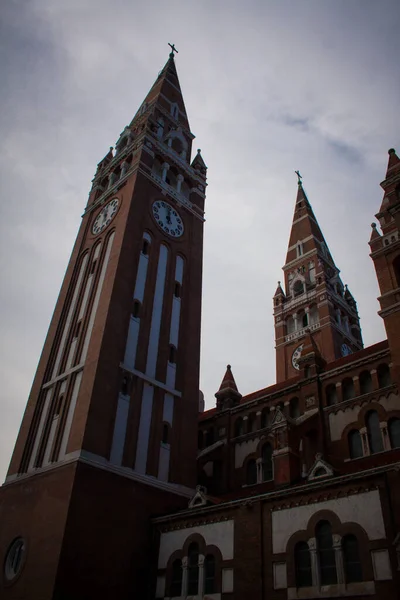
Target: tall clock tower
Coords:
[[109, 434], [312, 299]]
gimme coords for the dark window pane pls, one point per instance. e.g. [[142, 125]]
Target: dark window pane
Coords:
[[394, 433], [251, 472], [267, 462], [209, 574], [239, 427], [351, 559], [326, 553], [302, 560], [176, 579], [384, 378], [331, 395], [365, 382], [348, 389], [374, 432], [355, 444]]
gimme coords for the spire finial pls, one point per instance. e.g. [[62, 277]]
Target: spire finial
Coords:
[[299, 177], [173, 49]]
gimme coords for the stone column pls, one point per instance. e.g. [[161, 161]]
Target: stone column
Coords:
[[258, 419], [338, 317], [374, 377], [184, 576], [356, 383], [295, 316], [180, 179], [124, 168], [165, 167], [337, 546], [111, 179], [312, 544], [339, 394], [307, 311], [201, 576], [364, 439], [259, 470], [385, 436]]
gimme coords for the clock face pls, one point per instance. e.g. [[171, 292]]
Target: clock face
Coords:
[[345, 350], [296, 355], [105, 216], [168, 218]]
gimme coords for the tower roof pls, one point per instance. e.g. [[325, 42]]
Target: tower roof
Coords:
[[166, 86], [228, 382], [305, 226]]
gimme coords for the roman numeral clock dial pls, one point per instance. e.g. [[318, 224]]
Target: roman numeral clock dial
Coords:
[[105, 216], [167, 218]]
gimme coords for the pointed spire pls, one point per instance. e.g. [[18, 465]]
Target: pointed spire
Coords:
[[228, 394], [393, 160], [375, 235], [279, 291]]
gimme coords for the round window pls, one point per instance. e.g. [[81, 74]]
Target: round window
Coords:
[[14, 559]]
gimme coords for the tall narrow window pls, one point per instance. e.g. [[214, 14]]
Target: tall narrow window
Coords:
[[365, 382], [209, 574], [384, 378], [299, 249], [348, 391], [331, 394], [351, 559], [172, 354], [165, 433], [193, 570], [266, 457], [265, 417], [374, 432], [294, 408], [326, 553], [394, 432], [355, 444], [177, 289], [251, 472], [175, 588], [302, 560], [145, 247], [239, 427]]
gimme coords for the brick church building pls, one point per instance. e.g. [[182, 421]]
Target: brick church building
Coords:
[[121, 486]]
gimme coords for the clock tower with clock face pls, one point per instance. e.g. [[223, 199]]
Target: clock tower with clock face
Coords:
[[109, 435], [313, 299]]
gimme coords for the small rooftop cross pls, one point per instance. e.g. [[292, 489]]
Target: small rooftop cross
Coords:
[[173, 49], [299, 177]]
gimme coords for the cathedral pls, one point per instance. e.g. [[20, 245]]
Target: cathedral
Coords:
[[121, 486]]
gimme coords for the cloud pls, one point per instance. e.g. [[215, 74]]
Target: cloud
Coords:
[[269, 88]]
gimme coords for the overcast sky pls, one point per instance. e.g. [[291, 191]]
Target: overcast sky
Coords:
[[269, 86]]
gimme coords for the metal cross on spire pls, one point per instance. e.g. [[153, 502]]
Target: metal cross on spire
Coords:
[[299, 177], [173, 49]]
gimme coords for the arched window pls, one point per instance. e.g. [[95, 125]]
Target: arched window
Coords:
[[326, 553], [302, 561], [266, 457], [396, 269], [384, 379], [365, 382], [331, 394], [298, 288], [264, 417], [193, 570], [209, 574], [348, 388], [251, 472], [239, 427], [290, 326], [355, 444], [394, 432], [374, 432], [294, 408], [175, 588], [351, 559]]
